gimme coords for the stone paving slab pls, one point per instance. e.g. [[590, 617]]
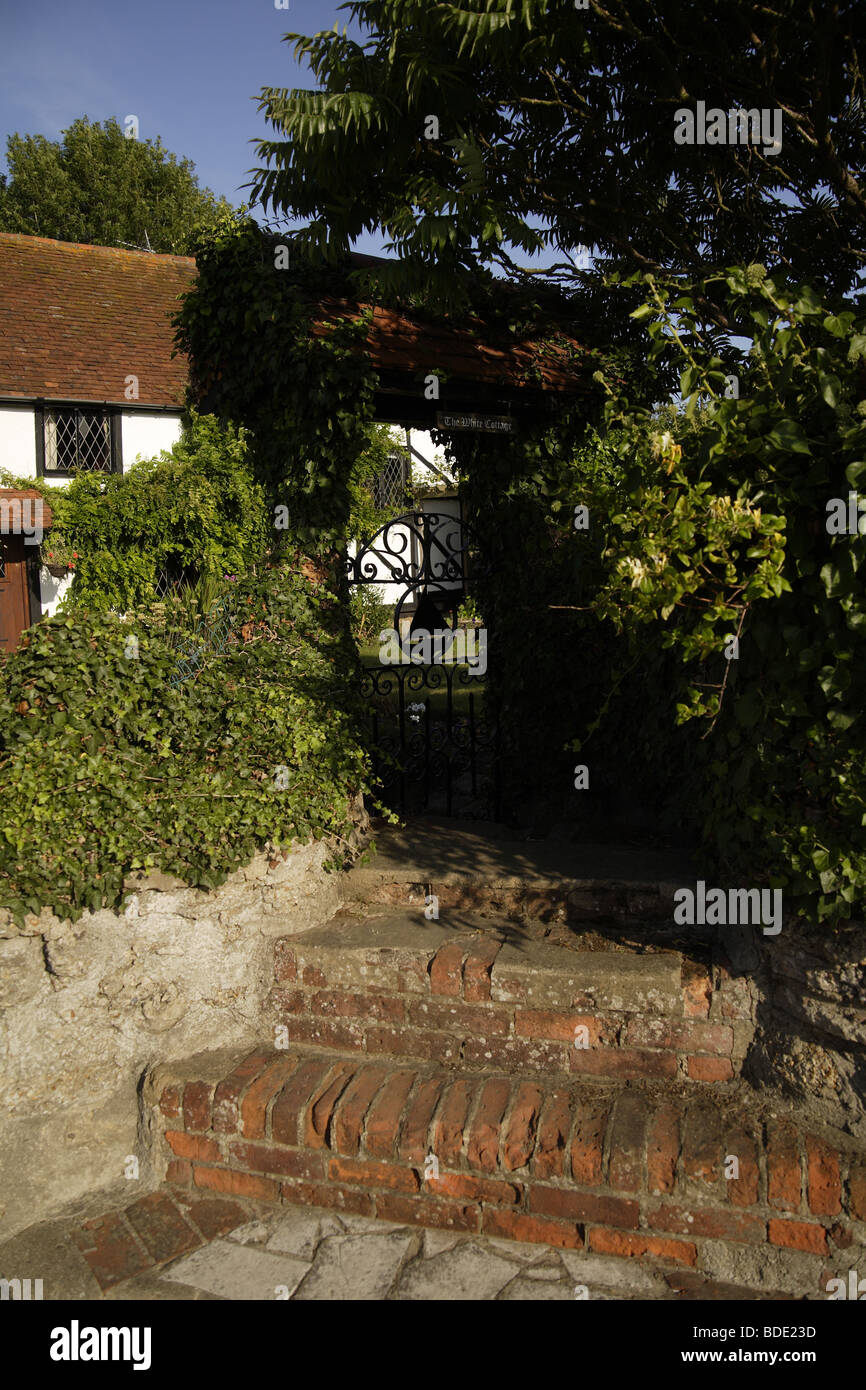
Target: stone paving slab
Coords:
[[451, 850], [304, 1254]]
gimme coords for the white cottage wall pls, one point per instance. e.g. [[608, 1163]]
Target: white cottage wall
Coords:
[[144, 435]]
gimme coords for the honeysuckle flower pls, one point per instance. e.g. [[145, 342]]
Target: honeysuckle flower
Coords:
[[634, 568]]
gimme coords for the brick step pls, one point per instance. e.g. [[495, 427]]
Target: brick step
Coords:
[[472, 866], [713, 1185], [476, 992]]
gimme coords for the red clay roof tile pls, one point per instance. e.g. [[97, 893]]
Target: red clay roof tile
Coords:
[[76, 321]]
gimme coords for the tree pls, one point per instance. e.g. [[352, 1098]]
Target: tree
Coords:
[[473, 133], [99, 187]]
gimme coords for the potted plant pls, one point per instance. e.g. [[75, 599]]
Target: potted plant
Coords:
[[58, 557]]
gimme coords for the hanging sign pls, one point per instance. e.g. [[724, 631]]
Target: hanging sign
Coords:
[[489, 424]]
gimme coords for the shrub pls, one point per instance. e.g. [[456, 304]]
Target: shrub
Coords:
[[109, 768]]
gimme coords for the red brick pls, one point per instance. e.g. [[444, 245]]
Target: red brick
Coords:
[[717, 1223], [196, 1105], [179, 1172], [797, 1235], [193, 1146], [158, 1222], [663, 1149], [292, 1101], [513, 1225], [702, 1145], [458, 1018], [318, 1121], [626, 1062], [408, 1042], [215, 1216], [689, 1035], [587, 1145], [285, 964], [553, 1130], [344, 1004], [288, 1001], [277, 1162], [632, 1246], [584, 1206], [697, 990], [451, 1121], [326, 1032], [348, 1121], [627, 1143], [238, 1184], [783, 1167], [111, 1250], [516, 1054], [349, 1199], [710, 1068], [427, 1211], [743, 1191], [824, 1181], [228, 1092], [313, 977], [373, 1174], [521, 1127], [169, 1102], [382, 1128], [468, 1189], [254, 1106], [559, 1027], [446, 970], [476, 971], [486, 1126], [414, 1143], [857, 1189]]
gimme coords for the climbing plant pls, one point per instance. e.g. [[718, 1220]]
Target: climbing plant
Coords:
[[261, 357], [195, 512], [726, 549], [111, 766]]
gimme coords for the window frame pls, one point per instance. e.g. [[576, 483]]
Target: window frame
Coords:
[[113, 413]]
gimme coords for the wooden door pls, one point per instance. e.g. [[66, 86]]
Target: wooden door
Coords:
[[14, 591]]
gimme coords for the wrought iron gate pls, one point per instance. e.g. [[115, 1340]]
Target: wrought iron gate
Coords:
[[433, 745]]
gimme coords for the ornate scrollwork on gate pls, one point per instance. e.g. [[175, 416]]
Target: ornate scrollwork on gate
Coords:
[[430, 750], [430, 555]]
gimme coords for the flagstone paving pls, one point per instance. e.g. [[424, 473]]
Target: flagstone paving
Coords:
[[167, 1247]]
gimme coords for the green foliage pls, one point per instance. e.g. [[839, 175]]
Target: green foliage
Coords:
[[195, 511], [97, 186], [109, 768], [723, 533], [365, 517], [369, 614], [306, 397], [556, 130]]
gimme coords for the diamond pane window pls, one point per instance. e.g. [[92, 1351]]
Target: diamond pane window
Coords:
[[77, 438], [389, 487]]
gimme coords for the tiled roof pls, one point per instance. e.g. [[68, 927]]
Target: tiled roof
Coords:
[[75, 321], [398, 343]]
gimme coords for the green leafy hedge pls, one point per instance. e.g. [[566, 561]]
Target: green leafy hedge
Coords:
[[196, 511], [723, 532], [109, 769]]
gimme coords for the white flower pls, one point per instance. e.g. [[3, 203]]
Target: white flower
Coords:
[[635, 568]]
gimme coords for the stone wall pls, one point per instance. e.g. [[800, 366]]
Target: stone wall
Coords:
[[810, 1039], [87, 1008]]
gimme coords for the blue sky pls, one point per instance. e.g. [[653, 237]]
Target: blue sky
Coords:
[[191, 70]]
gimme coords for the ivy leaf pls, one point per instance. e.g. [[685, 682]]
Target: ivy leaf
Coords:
[[787, 436]]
